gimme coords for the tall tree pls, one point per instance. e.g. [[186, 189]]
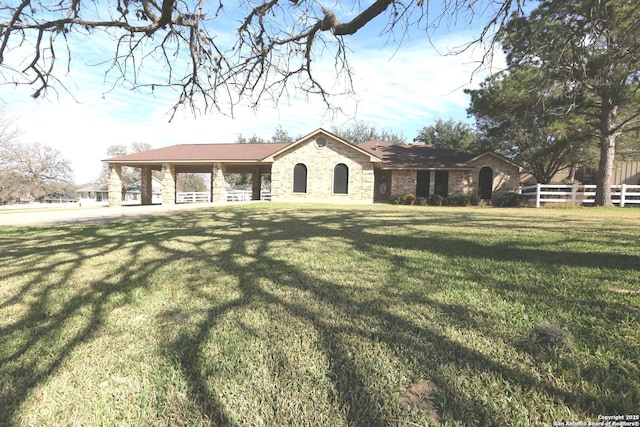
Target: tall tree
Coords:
[[212, 65], [593, 48], [457, 136], [359, 132], [190, 182], [279, 135], [32, 171], [522, 114]]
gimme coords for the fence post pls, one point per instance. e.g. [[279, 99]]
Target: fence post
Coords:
[[538, 189], [574, 193], [623, 190]]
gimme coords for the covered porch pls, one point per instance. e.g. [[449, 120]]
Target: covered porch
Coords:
[[217, 172]]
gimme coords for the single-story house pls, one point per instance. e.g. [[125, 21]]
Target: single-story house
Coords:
[[90, 194], [94, 194], [321, 167]]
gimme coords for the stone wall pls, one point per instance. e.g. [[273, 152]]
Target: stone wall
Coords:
[[461, 182], [506, 178], [320, 163], [506, 175], [403, 181]]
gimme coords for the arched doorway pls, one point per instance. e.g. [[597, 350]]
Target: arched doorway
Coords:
[[485, 183]]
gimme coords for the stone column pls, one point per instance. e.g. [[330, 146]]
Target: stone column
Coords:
[[168, 184], [115, 185], [432, 183], [217, 183], [255, 185], [368, 184], [145, 185]]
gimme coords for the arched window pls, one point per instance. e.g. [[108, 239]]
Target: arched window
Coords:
[[485, 183], [341, 179], [299, 178]]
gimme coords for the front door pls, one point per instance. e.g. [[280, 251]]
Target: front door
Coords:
[[485, 183], [382, 186]]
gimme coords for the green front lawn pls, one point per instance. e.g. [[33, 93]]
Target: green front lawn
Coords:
[[270, 314]]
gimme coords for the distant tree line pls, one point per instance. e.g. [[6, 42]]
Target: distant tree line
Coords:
[[30, 172]]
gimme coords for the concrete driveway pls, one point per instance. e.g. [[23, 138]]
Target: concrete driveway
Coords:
[[92, 215]]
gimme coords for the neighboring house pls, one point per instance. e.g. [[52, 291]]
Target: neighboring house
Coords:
[[321, 167], [89, 194], [133, 194]]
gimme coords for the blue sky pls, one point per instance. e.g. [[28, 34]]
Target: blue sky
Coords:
[[401, 84]]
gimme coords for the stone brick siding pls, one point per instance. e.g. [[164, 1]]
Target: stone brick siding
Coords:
[[506, 176], [403, 181], [320, 163], [459, 182]]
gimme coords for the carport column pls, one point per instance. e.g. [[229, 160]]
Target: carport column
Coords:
[[145, 185], [115, 185], [217, 183], [168, 184], [255, 184]]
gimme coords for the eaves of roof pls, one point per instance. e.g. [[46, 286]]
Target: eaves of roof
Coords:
[[201, 153]]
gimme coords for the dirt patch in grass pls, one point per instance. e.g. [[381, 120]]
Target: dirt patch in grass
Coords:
[[417, 398]]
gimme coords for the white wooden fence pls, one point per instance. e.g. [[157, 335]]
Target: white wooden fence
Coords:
[[231, 196], [193, 196], [577, 193], [246, 195]]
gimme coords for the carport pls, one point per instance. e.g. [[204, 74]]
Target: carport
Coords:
[[217, 160]]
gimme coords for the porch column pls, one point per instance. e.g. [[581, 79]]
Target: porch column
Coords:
[[145, 185], [115, 185], [168, 184], [217, 183], [432, 183], [255, 184]]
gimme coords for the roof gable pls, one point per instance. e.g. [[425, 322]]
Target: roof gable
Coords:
[[323, 133], [498, 156]]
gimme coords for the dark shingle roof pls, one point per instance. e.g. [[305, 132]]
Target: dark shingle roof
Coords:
[[403, 156], [416, 156]]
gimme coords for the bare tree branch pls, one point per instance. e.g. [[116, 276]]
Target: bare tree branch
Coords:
[[273, 50]]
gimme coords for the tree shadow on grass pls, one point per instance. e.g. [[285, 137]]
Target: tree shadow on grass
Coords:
[[427, 347], [241, 246], [51, 304]]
